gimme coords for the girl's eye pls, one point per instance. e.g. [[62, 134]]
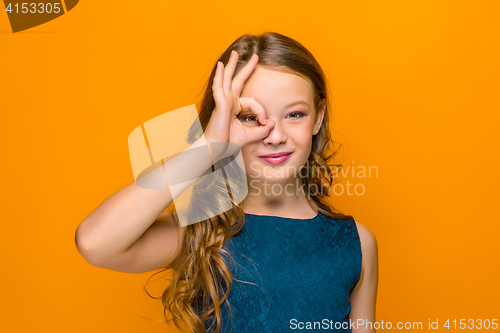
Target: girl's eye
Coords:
[[250, 118], [296, 115], [253, 118]]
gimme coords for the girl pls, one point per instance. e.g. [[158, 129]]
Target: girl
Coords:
[[282, 259]]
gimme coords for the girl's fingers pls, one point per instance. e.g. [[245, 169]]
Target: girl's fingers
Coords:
[[228, 73], [219, 95], [260, 132], [251, 104], [240, 79]]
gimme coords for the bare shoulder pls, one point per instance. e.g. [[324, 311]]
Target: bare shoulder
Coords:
[[369, 245], [369, 250]]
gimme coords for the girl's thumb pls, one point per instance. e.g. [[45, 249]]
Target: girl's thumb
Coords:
[[260, 132], [264, 130]]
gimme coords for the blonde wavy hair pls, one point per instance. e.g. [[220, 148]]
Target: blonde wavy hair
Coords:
[[200, 271]]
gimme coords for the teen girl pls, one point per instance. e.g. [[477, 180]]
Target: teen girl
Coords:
[[282, 259]]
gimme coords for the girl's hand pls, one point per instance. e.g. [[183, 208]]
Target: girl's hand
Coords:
[[224, 125]]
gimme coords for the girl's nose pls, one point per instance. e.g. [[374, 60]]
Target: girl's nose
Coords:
[[276, 136]]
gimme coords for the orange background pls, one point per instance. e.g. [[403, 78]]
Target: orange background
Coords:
[[415, 92]]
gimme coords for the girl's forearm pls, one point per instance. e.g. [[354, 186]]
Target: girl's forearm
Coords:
[[120, 220]]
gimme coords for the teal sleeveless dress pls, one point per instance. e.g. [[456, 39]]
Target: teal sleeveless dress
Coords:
[[291, 275]]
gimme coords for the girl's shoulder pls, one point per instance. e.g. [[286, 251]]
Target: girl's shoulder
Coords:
[[367, 239], [366, 236], [369, 250]]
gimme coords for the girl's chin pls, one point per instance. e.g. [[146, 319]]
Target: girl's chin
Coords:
[[270, 180], [262, 171]]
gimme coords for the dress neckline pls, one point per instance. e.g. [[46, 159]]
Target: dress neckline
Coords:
[[287, 218]]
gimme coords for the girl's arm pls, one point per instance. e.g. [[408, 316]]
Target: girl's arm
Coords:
[[131, 231], [364, 296]]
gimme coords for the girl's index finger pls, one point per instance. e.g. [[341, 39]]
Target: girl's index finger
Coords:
[[240, 79]]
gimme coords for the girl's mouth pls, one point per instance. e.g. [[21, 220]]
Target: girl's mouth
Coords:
[[277, 159]]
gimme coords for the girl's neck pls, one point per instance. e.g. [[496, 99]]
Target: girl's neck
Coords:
[[292, 206]]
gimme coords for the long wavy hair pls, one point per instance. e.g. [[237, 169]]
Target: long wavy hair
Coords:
[[201, 280]]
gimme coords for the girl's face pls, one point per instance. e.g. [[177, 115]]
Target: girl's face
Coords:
[[288, 99]]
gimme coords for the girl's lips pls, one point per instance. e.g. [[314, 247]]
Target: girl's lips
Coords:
[[276, 160]]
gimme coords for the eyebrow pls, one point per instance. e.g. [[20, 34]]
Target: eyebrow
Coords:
[[295, 103]]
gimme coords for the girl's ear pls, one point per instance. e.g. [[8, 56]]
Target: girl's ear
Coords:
[[319, 116]]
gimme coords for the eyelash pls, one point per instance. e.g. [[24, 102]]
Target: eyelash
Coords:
[[299, 115]]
